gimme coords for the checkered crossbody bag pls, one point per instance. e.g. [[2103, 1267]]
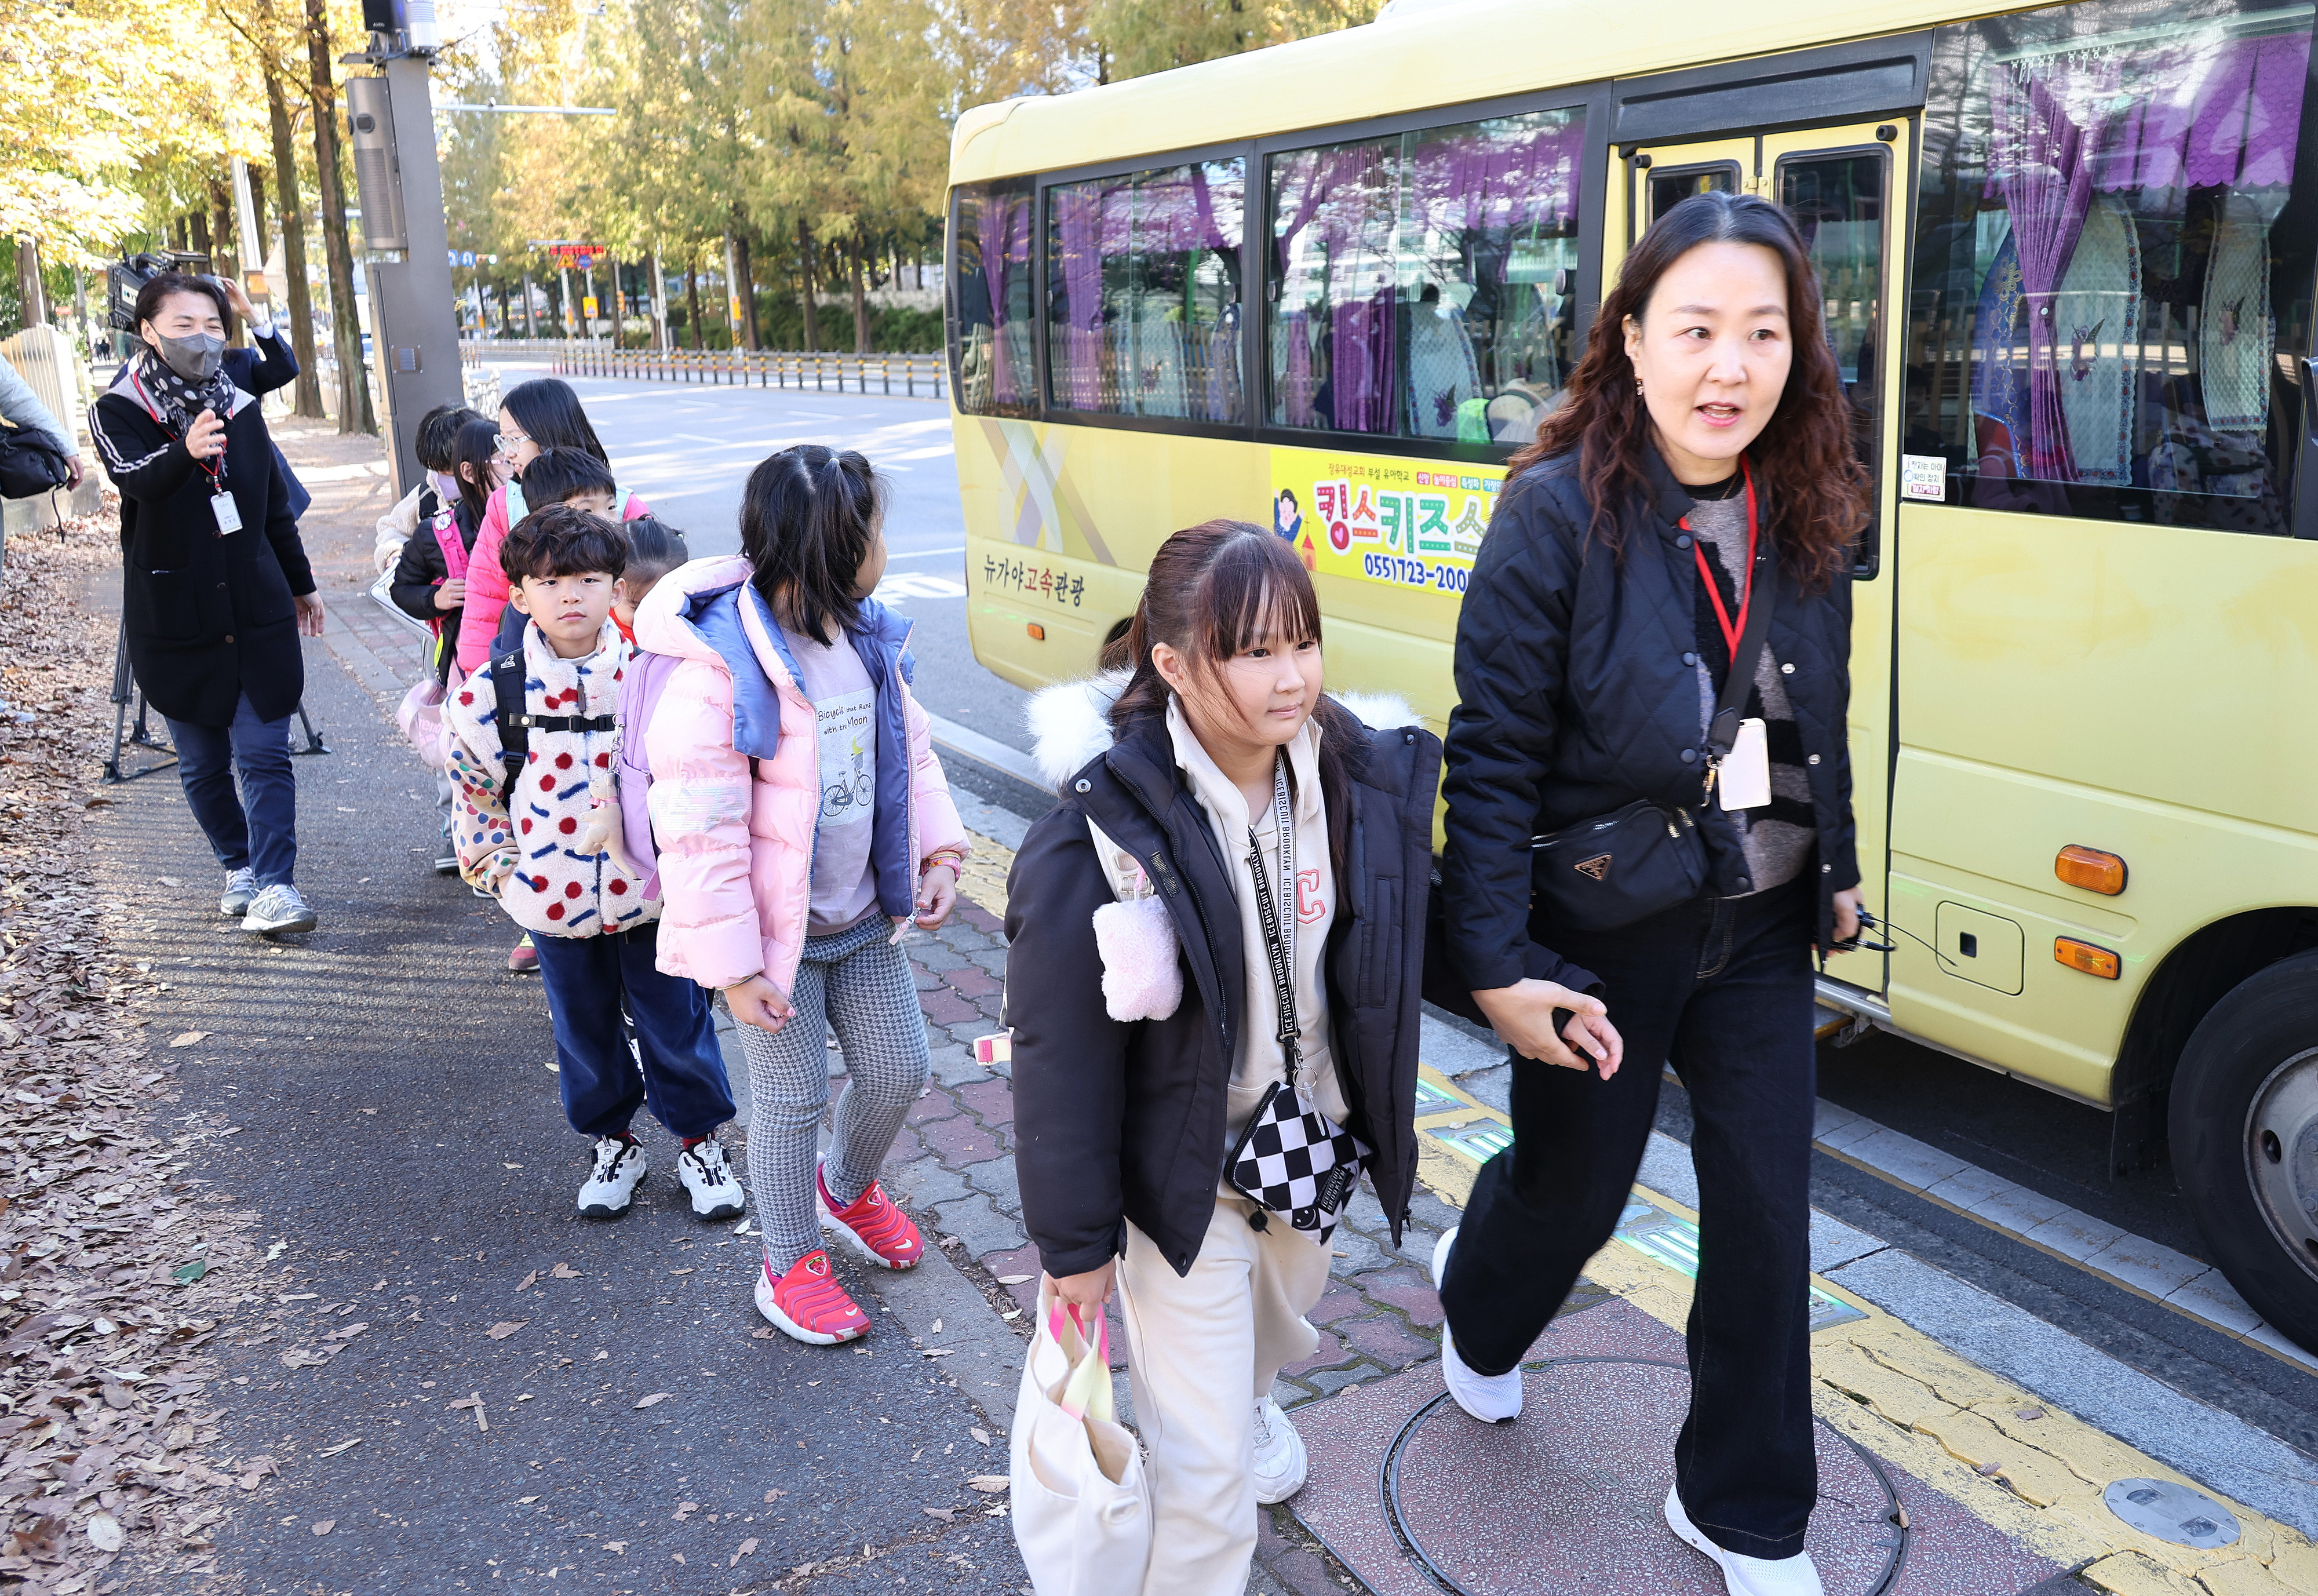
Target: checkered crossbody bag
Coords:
[[1291, 1158]]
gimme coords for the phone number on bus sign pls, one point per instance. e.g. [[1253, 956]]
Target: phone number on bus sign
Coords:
[[1410, 524]]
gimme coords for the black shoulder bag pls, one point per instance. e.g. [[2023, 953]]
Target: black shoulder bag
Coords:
[[1291, 1158], [1634, 862], [517, 721]]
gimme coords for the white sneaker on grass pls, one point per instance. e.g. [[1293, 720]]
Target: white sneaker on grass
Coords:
[[1742, 1575], [240, 887], [1493, 1399], [716, 1191], [278, 907], [611, 1183], [1280, 1463]]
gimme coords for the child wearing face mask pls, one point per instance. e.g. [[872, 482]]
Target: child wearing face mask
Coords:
[[438, 431], [803, 824]]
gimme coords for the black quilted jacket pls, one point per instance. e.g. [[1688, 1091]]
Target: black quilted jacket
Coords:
[[1577, 696], [1117, 1121]]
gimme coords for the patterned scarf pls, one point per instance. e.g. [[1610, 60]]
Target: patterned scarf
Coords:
[[178, 400]]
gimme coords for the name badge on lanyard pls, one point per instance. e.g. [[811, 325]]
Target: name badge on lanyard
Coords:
[[227, 513], [1744, 779]]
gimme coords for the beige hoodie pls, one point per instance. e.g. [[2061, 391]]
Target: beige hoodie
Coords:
[[1260, 1062]]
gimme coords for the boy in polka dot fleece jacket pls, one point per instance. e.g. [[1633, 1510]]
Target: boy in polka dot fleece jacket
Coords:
[[541, 849]]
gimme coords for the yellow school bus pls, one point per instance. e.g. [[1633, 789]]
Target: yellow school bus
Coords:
[[2067, 257]]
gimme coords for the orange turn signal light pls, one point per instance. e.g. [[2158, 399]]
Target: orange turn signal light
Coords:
[[1037, 632], [2091, 869], [2085, 956]]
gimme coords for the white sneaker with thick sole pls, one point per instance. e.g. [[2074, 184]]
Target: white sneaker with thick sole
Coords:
[[278, 907], [716, 1191], [1746, 1576], [1493, 1399], [240, 887], [611, 1183], [1281, 1462]]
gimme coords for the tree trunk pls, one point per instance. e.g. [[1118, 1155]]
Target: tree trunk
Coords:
[[744, 280], [692, 301], [306, 397], [812, 291], [199, 223], [861, 301], [225, 252], [30, 292], [354, 386]]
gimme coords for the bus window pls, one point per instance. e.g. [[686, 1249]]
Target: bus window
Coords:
[[1671, 188], [1143, 301], [990, 298], [1836, 200], [1424, 283], [2110, 283]]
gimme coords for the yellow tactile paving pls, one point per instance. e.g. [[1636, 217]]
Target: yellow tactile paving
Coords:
[[1907, 1399]]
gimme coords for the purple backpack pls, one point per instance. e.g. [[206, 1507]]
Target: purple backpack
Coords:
[[648, 676]]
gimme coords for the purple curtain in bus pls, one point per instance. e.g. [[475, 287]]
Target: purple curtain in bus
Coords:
[[1005, 263], [1078, 212], [1174, 211], [1503, 179], [1346, 195], [2195, 111], [2039, 164]]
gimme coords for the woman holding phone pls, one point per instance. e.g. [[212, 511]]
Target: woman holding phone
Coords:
[[1649, 828]]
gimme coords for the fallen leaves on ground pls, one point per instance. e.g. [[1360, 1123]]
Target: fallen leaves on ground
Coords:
[[116, 1275], [989, 1485], [745, 1548], [978, 1433], [324, 1525], [944, 1513], [506, 1328], [657, 1397]]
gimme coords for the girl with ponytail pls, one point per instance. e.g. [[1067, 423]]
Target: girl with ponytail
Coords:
[[1216, 952], [802, 823]]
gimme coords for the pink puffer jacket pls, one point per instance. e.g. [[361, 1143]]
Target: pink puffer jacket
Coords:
[[736, 860]]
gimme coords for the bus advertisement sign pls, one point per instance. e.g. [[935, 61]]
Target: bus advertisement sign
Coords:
[[1402, 522]]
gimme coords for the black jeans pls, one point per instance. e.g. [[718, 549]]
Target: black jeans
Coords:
[[1721, 990]]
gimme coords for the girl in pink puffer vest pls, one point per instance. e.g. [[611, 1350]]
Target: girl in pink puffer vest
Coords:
[[802, 822]]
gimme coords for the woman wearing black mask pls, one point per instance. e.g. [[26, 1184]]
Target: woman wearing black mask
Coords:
[[216, 588]]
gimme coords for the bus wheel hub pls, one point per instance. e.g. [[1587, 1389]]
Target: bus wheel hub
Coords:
[[2282, 1155]]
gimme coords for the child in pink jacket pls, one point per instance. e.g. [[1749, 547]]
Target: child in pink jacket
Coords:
[[802, 822]]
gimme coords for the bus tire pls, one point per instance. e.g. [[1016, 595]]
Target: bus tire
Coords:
[[2244, 1125]]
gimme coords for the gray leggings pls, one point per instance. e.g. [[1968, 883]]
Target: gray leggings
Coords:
[[860, 984]]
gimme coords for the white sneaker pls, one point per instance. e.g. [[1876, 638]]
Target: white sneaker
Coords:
[[278, 907], [1746, 1576], [1493, 1399], [612, 1184], [1280, 1463], [240, 887], [716, 1191]]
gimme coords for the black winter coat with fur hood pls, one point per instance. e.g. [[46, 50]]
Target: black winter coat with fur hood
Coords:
[[1117, 1121]]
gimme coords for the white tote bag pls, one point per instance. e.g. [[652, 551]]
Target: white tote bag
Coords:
[[1082, 1501]]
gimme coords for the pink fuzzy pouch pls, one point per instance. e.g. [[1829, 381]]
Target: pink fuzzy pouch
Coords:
[[1141, 977]]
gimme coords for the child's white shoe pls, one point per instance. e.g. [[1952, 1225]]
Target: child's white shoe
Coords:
[[611, 1183], [716, 1191]]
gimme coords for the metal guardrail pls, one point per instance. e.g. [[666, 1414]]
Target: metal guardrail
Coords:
[[915, 376]]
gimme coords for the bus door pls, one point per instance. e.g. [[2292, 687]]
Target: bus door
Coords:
[[1845, 186]]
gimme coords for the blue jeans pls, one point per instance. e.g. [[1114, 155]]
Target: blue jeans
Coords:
[[681, 1073], [256, 827], [1720, 988]]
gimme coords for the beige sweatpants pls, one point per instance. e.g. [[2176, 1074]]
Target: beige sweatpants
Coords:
[[1201, 1347]]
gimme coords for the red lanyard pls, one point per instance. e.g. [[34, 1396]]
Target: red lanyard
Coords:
[[1730, 633]]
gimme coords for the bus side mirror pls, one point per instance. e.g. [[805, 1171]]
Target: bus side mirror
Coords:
[[2305, 454]]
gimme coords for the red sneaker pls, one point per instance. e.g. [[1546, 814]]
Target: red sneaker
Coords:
[[808, 1303], [879, 1231], [524, 958]]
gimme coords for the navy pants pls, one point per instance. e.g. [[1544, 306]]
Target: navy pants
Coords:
[[1721, 988], [675, 1065], [256, 827]]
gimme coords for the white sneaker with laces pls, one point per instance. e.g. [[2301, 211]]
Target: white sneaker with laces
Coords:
[[611, 1183], [1280, 1463], [1741, 1575], [278, 907], [716, 1191], [1493, 1399], [240, 887]]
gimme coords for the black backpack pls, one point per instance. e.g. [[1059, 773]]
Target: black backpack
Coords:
[[31, 462], [517, 721]]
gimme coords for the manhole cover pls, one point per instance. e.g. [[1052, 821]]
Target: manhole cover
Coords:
[[2172, 1513], [1569, 1498]]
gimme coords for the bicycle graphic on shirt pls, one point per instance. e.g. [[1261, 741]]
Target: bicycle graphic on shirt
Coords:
[[860, 791]]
